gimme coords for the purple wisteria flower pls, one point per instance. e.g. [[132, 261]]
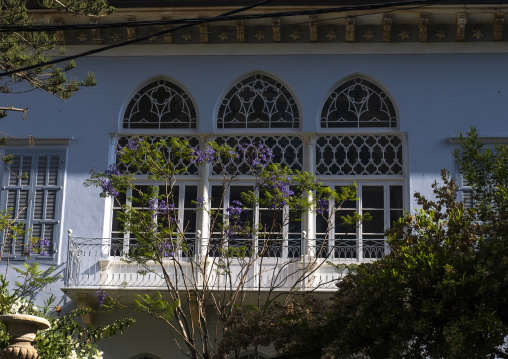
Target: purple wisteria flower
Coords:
[[107, 183], [112, 171], [256, 155], [159, 207], [133, 143], [322, 206], [119, 150], [107, 187], [38, 247], [200, 202], [235, 210], [101, 297], [206, 156], [166, 249]]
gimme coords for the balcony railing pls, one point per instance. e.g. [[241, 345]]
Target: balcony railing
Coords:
[[303, 264]]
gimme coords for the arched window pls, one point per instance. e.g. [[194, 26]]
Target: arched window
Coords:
[[358, 103], [258, 101], [160, 105]]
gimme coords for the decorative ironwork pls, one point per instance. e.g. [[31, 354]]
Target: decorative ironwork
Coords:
[[287, 150], [90, 265], [133, 169], [161, 104], [358, 103], [258, 102], [359, 155]]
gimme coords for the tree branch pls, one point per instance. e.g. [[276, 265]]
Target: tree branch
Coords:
[[11, 108]]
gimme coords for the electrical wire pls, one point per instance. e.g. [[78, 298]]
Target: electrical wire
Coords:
[[223, 17], [230, 31]]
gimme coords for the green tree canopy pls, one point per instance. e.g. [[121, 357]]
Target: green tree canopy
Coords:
[[442, 292], [19, 49]]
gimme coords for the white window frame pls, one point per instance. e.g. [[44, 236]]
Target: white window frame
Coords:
[[125, 237], [359, 209]]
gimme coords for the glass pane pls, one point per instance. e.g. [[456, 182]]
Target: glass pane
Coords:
[[235, 193], [372, 197], [395, 215], [189, 221], [191, 194], [217, 194], [339, 228], [396, 197], [321, 224], [346, 204], [377, 224], [271, 221], [117, 226]]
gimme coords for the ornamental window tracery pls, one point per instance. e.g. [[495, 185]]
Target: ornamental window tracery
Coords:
[[160, 105], [191, 169], [287, 150], [359, 155], [258, 101], [358, 103]]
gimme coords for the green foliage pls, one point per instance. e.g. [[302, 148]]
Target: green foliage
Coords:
[[442, 292], [21, 49], [155, 306], [65, 338], [201, 279]]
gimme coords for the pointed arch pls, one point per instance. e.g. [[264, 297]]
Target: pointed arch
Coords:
[[161, 104], [258, 101], [358, 102]]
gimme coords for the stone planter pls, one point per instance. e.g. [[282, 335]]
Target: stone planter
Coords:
[[22, 329]]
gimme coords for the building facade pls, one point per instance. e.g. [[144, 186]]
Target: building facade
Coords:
[[373, 95]]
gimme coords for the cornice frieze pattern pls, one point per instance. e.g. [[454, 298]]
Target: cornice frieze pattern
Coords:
[[403, 26]]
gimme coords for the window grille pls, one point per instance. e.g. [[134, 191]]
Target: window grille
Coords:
[[358, 103], [160, 105], [33, 194], [183, 199], [133, 169], [359, 155], [258, 102], [287, 150], [384, 202]]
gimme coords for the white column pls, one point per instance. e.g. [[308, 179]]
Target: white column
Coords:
[[203, 217], [310, 167]]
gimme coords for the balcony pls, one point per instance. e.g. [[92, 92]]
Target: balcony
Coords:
[[295, 264]]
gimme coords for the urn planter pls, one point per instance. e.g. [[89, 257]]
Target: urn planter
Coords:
[[22, 330]]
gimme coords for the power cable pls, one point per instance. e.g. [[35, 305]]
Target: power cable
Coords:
[[232, 31], [223, 17], [142, 38]]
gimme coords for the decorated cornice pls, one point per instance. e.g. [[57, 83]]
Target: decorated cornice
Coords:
[[412, 24]]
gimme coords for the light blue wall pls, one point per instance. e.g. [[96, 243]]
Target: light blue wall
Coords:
[[437, 97]]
